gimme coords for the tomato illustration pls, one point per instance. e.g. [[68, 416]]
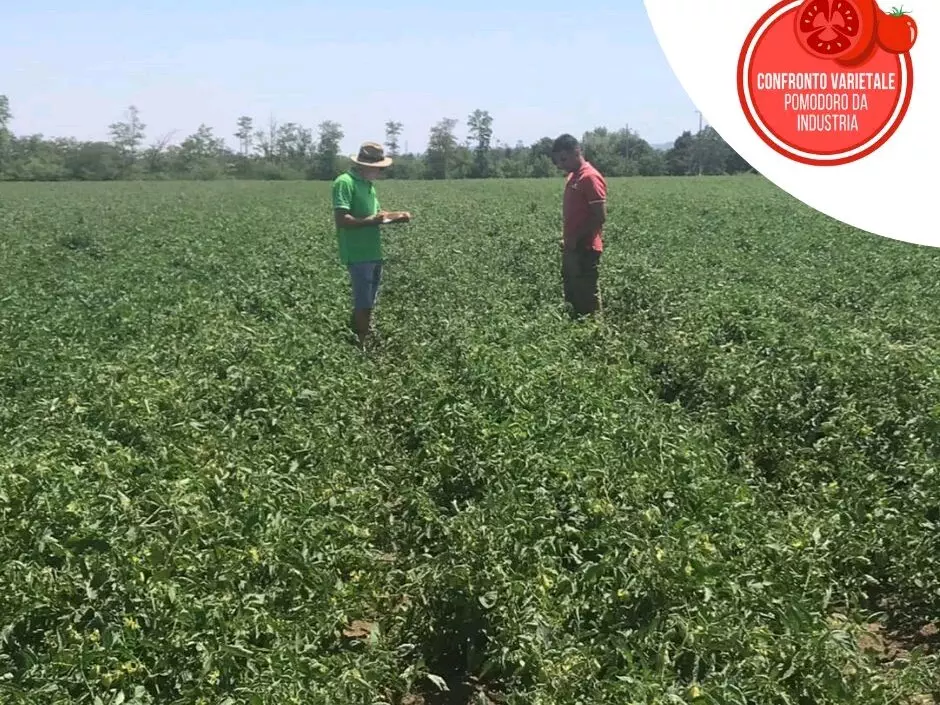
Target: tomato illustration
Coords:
[[897, 31], [859, 60], [837, 29]]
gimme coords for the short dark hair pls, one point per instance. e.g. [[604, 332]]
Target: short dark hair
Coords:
[[565, 143]]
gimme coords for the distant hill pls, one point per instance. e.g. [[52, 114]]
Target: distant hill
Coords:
[[663, 147]]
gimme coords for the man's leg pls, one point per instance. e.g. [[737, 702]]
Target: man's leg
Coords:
[[593, 275], [587, 294], [376, 279], [361, 275], [363, 318], [569, 271]]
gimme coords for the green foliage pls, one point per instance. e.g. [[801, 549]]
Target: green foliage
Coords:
[[290, 152], [723, 492]]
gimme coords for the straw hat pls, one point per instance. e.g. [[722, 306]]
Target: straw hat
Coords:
[[371, 154]]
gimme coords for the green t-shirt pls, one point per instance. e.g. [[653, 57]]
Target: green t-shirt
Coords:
[[353, 193]]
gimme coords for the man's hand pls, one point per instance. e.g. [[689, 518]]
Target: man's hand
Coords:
[[399, 216], [345, 220]]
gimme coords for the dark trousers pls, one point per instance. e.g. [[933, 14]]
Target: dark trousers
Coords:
[[579, 275]]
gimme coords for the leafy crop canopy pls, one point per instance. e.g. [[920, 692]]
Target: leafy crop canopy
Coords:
[[725, 491]]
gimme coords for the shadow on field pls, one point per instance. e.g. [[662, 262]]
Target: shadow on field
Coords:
[[455, 638], [472, 692]]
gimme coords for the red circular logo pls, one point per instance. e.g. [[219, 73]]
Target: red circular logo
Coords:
[[827, 82]]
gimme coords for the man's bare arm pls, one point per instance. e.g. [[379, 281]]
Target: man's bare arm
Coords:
[[345, 220]]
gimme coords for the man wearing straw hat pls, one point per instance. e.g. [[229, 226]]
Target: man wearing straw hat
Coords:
[[358, 218]]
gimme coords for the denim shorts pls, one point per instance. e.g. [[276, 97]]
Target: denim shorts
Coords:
[[365, 278]]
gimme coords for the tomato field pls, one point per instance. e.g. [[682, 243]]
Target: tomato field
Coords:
[[726, 491]]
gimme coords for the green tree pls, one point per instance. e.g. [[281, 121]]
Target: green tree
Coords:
[[244, 134], [200, 155], [621, 153], [327, 163], [156, 160], [5, 115], [34, 158], [265, 141], [6, 136], [94, 161], [442, 146], [710, 153], [292, 151], [680, 159], [392, 133], [294, 147], [127, 136], [480, 127]]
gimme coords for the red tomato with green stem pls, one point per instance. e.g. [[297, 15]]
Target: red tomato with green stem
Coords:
[[897, 31]]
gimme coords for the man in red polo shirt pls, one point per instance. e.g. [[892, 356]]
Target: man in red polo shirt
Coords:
[[585, 212]]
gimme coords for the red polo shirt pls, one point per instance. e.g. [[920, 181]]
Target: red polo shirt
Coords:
[[583, 188]]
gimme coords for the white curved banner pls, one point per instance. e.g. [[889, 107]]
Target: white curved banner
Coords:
[[834, 101]]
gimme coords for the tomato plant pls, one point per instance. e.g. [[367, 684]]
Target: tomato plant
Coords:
[[208, 496], [897, 31], [836, 29]]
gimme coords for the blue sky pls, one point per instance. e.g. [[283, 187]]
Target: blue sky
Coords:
[[540, 67]]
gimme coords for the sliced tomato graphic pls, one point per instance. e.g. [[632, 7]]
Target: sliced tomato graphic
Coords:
[[836, 29], [857, 61]]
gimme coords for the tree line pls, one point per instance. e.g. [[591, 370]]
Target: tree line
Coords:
[[290, 151]]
